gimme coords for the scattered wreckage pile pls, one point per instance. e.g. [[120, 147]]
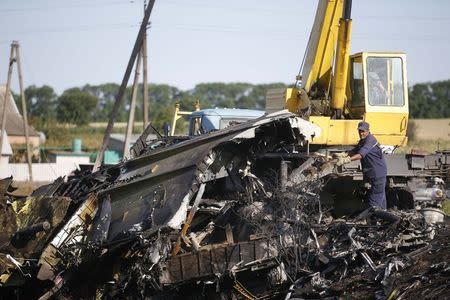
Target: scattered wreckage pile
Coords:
[[213, 217]]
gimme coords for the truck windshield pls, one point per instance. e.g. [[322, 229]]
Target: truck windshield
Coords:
[[385, 81]]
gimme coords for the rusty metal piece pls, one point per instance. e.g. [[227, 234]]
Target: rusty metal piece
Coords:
[[216, 260], [189, 218]]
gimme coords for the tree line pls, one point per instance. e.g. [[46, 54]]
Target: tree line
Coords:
[[81, 105]]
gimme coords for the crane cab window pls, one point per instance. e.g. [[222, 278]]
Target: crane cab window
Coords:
[[357, 83], [385, 81]]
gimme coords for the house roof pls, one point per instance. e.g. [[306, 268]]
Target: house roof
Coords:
[[14, 121]]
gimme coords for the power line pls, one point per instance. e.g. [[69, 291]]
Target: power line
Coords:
[[46, 8], [110, 26], [240, 8], [307, 12], [206, 4], [234, 30]]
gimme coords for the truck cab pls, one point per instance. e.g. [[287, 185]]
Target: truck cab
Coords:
[[207, 120]]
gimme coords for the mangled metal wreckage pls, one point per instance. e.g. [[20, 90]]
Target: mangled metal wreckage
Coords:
[[137, 207], [209, 217]]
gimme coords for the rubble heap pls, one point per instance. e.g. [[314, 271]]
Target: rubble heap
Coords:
[[211, 217]]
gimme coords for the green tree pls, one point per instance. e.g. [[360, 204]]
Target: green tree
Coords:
[[106, 95], [76, 106], [430, 100], [40, 104]]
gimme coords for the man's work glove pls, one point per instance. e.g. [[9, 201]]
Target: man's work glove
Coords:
[[340, 154], [343, 160], [367, 186]]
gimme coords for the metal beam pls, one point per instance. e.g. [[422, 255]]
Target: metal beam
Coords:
[[7, 92], [130, 124], [24, 112], [126, 77], [145, 80]]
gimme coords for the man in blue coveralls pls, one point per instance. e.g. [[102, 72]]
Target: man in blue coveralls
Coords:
[[374, 167]]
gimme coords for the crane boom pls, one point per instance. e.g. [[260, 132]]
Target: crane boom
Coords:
[[318, 64]]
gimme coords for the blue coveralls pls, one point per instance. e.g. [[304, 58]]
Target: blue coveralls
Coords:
[[374, 169]]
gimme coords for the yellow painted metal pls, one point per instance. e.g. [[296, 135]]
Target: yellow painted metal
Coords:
[[178, 114], [335, 132], [390, 127], [387, 123], [319, 55], [323, 123], [341, 68], [175, 118], [292, 101], [345, 132]]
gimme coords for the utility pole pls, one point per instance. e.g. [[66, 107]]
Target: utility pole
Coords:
[[144, 74], [131, 114], [8, 85], [136, 49], [15, 57], [24, 112], [130, 124]]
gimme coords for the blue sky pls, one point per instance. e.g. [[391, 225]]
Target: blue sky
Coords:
[[67, 43]]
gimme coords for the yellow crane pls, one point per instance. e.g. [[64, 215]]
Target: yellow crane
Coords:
[[336, 90]]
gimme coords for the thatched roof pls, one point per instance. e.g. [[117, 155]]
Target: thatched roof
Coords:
[[14, 121]]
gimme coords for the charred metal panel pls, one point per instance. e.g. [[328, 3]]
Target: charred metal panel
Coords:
[[219, 259], [148, 202]]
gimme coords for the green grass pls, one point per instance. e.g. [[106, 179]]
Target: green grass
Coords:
[[62, 137], [91, 138]]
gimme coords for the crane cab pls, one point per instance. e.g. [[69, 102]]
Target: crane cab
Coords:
[[336, 90], [378, 93]]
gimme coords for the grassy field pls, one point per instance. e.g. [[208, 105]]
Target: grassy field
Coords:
[[91, 137], [429, 146], [431, 129], [429, 135]]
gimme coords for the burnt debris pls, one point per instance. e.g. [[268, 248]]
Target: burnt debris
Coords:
[[224, 215]]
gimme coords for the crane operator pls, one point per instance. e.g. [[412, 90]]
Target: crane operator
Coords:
[[373, 164]]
